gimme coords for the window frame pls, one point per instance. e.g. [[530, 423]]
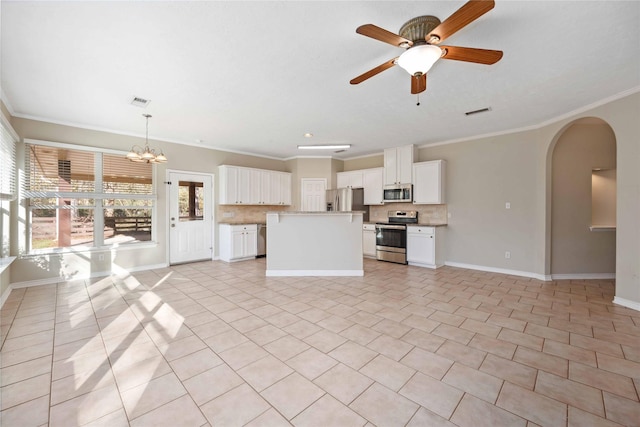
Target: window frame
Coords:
[[11, 167], [98, 195]]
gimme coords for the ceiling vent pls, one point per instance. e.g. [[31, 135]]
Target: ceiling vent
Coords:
[[140, 102]]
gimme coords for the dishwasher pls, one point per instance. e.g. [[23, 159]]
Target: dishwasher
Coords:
[[262, 240]]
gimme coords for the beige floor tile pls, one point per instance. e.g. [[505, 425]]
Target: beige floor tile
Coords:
[[474, 412], [335, 324], [264, 372], [532, 406], [146, 397], [265, 334], [570, 392], [360, 334], [474, 382], [461, 353], [78, 384], [74, 365], [492, 345], [286, 347], [388, 372], [353, 354], [325, 340], [423, 340], [328, 411], [547, 362], [621, 410], [391, 328], [424, 417], [180, 412], [432, 394], [588, 357], [209, 329], [302, 329], [225, 341], [619, 366], [212, 383], [270, 418], [603, 380], [588, 343], [139, 373], [374, 403], [514, 372], [343, 383], [521, 339], [481, 327], [182, 347], [235, 408], [195, 363], [311, 363], [86, 408], [23, 391], [393, 348], [243, 354], [282, 319], [30, 413], [546, 332], [580, 418], [22, 371], [426, 362], [292, 395], [506, 322]]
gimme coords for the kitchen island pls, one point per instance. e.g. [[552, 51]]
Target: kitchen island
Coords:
[[314, 244]]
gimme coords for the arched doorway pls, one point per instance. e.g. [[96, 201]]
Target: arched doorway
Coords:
[[582, 158]]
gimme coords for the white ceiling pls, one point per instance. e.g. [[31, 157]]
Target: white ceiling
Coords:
[[253, 77]]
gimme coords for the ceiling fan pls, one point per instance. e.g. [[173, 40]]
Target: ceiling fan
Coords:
[[421, 36]]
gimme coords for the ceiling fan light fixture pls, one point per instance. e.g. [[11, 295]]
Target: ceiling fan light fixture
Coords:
[[419, 59]]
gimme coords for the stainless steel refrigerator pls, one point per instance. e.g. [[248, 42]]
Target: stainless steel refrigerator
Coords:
[[347, 200]]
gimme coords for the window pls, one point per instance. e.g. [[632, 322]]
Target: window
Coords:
[[7, 163], [82, 198]]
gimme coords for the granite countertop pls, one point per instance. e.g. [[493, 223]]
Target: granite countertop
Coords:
[[419, 224], [241, 223], [315, 212]]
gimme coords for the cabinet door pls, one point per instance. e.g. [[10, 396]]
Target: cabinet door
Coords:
[[269, 186], [255, 187], [373, 183], [342, 180], [390, 166], [428, 182], [369, 243], [237, 243], [244, 186], [404, 164], [228, 185], [250, 243], [421, 245], [285, 189]]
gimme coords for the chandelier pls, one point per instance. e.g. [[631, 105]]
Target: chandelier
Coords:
[[146, 154]]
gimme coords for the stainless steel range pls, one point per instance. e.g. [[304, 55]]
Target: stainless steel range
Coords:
[[391, 236]]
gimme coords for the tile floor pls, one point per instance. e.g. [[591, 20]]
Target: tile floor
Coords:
[[215, 344]]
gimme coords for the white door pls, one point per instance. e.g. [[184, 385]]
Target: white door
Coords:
[[190, 217], [314, 194]]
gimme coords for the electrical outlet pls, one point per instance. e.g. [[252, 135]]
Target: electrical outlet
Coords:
[[227, 214], [507, 255], [507, 205], [101, 257]]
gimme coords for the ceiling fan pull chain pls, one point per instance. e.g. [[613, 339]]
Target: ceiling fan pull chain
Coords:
[[418, 96]]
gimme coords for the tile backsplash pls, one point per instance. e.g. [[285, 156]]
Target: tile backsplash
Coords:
[[426, 213], [234, 214]]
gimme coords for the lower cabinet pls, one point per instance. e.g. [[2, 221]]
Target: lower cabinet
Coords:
[[425, 246], [369, 240], [238, 242]]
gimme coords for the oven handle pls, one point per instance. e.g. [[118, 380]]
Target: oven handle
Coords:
[[391, 227]]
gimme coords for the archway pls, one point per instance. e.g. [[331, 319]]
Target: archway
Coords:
[[582, 155]]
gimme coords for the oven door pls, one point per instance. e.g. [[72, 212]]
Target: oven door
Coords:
[[391, 243]]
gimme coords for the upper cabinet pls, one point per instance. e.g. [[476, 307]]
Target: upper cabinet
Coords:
[[352, 179], [372, 180], [249, 186], [428, 182], [398, 164]]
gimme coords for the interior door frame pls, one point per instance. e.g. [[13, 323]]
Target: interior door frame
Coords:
[[167, 182]]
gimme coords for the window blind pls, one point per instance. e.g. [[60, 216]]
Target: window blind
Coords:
[[7, 164]]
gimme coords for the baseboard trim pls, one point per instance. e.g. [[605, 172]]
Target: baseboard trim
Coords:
[[634, 305], [586, 276], [301, 273], [520, 273], [114, 270], [5, 295]]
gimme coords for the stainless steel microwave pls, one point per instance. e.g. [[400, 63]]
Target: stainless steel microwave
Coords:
[[397, 193]]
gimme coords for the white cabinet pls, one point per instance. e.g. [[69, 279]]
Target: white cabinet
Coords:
[[351, 179], [425, 246], [398, 164], [428, 182], [249, 186], [369, 240], [238, 242], [372, 180]]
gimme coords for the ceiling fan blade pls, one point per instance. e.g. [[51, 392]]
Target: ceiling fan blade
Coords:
[[418, 84], [468, 13], [470, 54], [380, 68], [383, 35]]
